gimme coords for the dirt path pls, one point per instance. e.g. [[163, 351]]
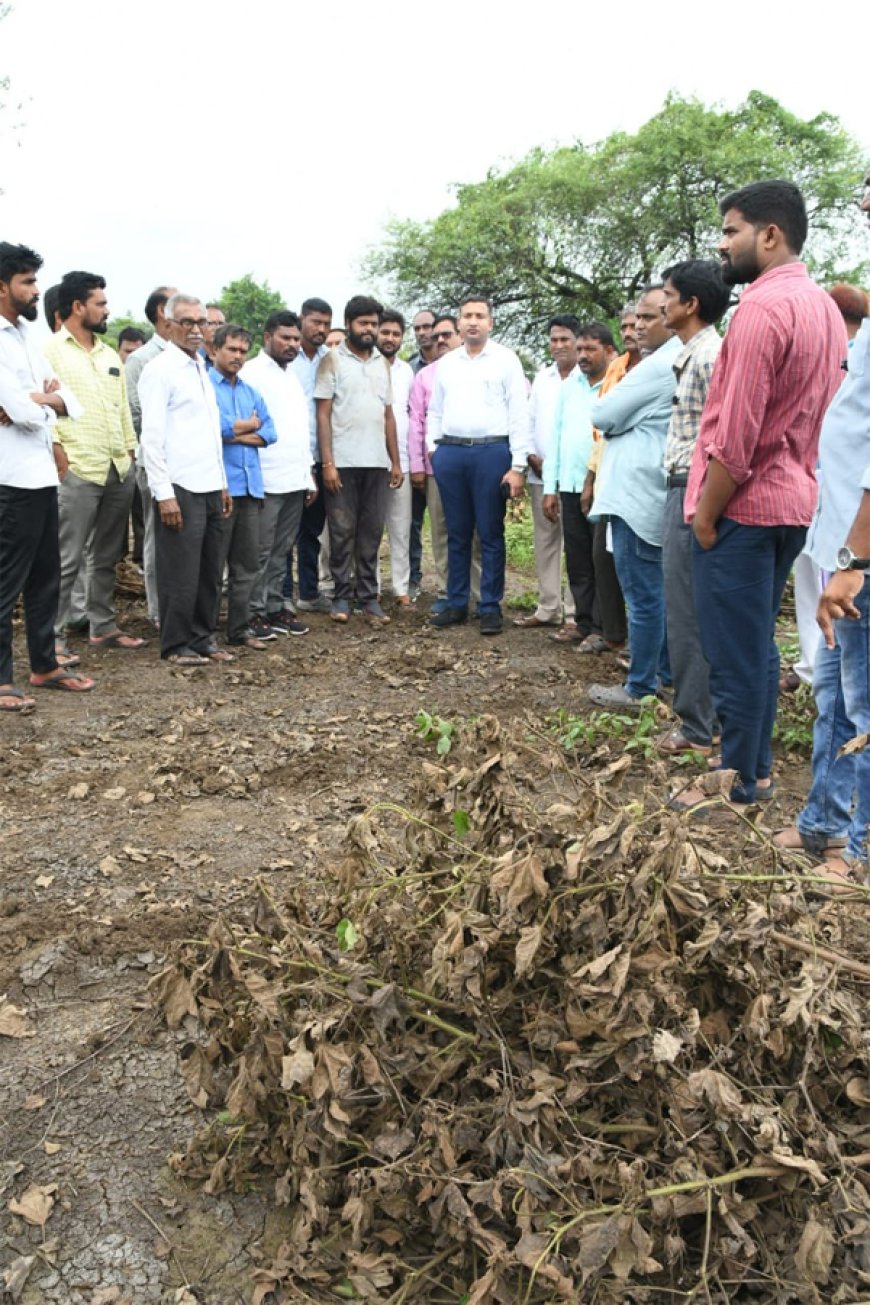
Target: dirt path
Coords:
[[132, 818]]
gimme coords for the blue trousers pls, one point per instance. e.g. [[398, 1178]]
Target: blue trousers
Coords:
[[639, 568], [838, 805], [738, 586], [469, 482]]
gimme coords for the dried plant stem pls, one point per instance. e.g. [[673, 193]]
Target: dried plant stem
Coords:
[[858, 968]]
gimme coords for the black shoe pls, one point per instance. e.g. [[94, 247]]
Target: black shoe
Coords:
[[450, 616], [261, 629], [491, 623]]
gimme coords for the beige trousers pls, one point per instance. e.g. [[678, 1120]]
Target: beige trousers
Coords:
[[548, 562]]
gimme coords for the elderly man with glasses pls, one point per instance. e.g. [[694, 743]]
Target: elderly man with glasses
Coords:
[[183, 455]]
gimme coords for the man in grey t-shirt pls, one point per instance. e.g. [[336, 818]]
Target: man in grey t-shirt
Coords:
[[356, 433]]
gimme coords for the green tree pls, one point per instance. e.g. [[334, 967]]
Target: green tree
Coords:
[[582, 228], [117, 324], [247, 303]]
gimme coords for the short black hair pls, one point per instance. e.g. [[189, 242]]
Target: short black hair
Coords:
[[231, 332], [772, 203], [49, 304], [567, 320], [280, 317], [446, 317], [131, 333], [315, 306], [76, 288], [393, 315], [701, 279], [15, 259], [362, 306], [476, 299], [599, 331], [430, 311], [158, 298]]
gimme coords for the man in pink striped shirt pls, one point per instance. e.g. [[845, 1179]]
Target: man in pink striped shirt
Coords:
[[752, 487]]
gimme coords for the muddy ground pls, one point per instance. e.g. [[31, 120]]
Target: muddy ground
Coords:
[[133, 817]]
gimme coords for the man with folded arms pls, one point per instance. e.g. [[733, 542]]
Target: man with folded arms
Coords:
[[183, 458], [31, 399]]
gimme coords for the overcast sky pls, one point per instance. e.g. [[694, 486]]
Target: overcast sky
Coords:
[[169, 141]]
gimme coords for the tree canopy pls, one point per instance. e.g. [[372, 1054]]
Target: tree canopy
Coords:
[[247, 303], [583, 228]]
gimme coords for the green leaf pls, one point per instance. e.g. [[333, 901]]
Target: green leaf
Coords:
[[347, 935], [444, 744], [461, 822], [346, 1289]]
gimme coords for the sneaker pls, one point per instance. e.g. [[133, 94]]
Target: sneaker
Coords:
[[319, 604], [439, 606], [491, 622], [450, 616], [286, 622], [260, 628], [614, 697], [375, 614]]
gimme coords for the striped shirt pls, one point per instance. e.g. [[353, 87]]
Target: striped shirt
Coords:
[[779, 367], [693, 367], [103, 437]]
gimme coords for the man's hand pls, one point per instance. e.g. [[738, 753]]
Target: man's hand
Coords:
[[61, 461], [52, 386], [253, 441], [418, 479], [226, 503], [536, 464], [517, 482], [396, 476], [310, 497], [331, 479], [836, 601], [5, 419], [170, 513], [705, 532], [550, 505], [587, 493]]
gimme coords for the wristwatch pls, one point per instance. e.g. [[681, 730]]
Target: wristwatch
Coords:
[[848, 561]]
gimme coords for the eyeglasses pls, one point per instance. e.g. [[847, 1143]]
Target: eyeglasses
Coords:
[[443, 335], [188, 323]]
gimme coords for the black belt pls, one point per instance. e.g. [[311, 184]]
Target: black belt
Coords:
[[676, 481], [468, 444]]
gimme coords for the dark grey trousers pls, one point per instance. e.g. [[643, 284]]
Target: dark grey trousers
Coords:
[[29, 566], [92, 519], [608, 593], [240, 554], [281, 519], [189, 572], [356, 516], [688, 665]]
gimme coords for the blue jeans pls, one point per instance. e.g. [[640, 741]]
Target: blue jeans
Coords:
[[469, 481], [838, 805], [738, 586], [639, 568]]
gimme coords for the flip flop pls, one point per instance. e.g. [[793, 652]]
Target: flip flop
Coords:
[[187, 659], [566, 634], [220, 655], [64, 657], [65, 682], [126, 642], [23, 703]]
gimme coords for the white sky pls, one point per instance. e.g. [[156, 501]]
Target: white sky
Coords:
[[187, 143]]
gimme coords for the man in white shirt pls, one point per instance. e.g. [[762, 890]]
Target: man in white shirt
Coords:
[[477, 433], [31, 400], [543, 404], [391, 333], [287, 468], [312, 544], [183, 457]]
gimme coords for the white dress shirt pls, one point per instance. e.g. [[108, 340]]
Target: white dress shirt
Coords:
[[305, 371], [286, 464], [26, 458], [401, 378], [481, 395], [181, 426], [543, 402]]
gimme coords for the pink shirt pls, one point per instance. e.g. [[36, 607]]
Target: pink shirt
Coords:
[[779, 367], [418, 406]]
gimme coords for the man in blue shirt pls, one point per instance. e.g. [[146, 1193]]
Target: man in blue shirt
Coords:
[[246, 427], [630, 490]]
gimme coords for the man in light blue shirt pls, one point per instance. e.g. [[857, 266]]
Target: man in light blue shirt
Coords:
[[630, 490], [246, 427]]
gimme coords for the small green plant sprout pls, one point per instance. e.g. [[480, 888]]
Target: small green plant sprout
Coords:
[[346, 934], [431, 727]]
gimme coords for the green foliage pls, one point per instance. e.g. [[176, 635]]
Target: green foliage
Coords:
[[795, 716], [635, 731], [519, 536], [461, 822], [430, 727], [582, 228], [346, 935], [248, 303]]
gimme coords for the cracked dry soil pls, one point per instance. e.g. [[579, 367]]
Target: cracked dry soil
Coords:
[[132, 818]]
